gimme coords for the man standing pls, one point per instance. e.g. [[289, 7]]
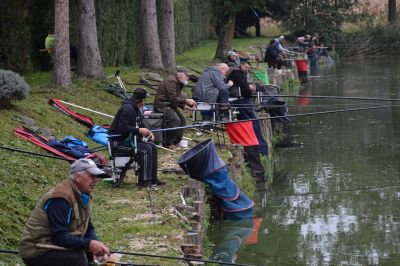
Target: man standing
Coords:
[[246, 111], [59, 230], [167, 100], [127, 121]]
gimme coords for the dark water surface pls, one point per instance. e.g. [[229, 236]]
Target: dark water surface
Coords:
[[336, 199]]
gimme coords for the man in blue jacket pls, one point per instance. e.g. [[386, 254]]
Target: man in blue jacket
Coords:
[[59, 230]]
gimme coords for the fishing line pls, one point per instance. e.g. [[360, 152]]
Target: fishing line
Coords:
[[334, 97], [204, 124], [336, 192]]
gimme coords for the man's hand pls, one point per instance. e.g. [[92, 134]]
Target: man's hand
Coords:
[[98, 249], [144, 132], [191, 103], [252, 88], [230, 83]]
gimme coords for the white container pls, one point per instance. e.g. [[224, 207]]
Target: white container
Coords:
[[184, 143]]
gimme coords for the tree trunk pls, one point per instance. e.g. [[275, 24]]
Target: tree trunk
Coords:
[[151, 42], [62, 74], [392, 11], [167, 35], [89, 59], [258, 27], [226, 30]]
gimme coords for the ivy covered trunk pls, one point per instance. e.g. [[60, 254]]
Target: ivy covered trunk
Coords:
[[62, 74], [151, 42], [167, 34], [226, 30], [89, 59]]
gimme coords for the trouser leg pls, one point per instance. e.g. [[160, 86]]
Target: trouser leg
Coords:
[[252, 158], [248, 113], [173, 118], [59, 258]]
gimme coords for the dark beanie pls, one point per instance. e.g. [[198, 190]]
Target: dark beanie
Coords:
[[140, 94]]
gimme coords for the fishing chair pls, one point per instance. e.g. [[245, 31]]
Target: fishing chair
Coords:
[[122, 157], [206, 110]]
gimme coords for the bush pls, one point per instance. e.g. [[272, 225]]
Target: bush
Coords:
[[12, 87]]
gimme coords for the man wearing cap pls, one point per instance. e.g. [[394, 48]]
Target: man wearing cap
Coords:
[[59, 230], [129, 120], [167, 100]]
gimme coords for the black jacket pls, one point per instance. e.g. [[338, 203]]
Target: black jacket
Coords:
[[239, 79], [128, 119]]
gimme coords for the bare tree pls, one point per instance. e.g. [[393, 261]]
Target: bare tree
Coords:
[[151, 42], [167, 35], [89, 59], [392, 11], [62, 74]]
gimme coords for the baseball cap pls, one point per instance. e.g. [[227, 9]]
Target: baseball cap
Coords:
[[140, 93], [85, 165], [184, 70]]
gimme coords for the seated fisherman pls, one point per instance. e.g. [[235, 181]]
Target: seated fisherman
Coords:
[[273, 56], [60, 230], [129, 120], [211, 86], [232, 59], [239, 77], [167, 100]]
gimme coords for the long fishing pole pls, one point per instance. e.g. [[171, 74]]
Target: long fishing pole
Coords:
[[149, 255], [332, 97], [178, 258], [12, 149], [204, 124], [34, 153], [336, 192], [14, 252]]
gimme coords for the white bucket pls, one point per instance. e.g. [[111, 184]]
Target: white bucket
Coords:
[[184, 143]]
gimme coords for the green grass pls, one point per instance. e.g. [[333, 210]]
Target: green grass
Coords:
[[122, 216]]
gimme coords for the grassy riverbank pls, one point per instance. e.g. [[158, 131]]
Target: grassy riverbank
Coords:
[[123, 217]]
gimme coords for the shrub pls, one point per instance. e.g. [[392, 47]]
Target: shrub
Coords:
[[12, 87]]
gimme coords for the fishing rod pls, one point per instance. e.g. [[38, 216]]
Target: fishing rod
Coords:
[[14, 252], [332, 192], [149, 255], [331, 97], [204, 124], [42, 155], [34, 153], [179, 258], [193, 62]]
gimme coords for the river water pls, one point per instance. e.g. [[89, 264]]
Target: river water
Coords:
[[335, 200]]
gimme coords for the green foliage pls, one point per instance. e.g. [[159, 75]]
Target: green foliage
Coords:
[[371, 39], [14, 34], [12, 87], [25, 25], [305, 16]]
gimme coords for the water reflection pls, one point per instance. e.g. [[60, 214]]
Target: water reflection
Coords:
[[336, 199], [230, 235]]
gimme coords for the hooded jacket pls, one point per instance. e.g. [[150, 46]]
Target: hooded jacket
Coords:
[[128, 119], [208, 86]]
